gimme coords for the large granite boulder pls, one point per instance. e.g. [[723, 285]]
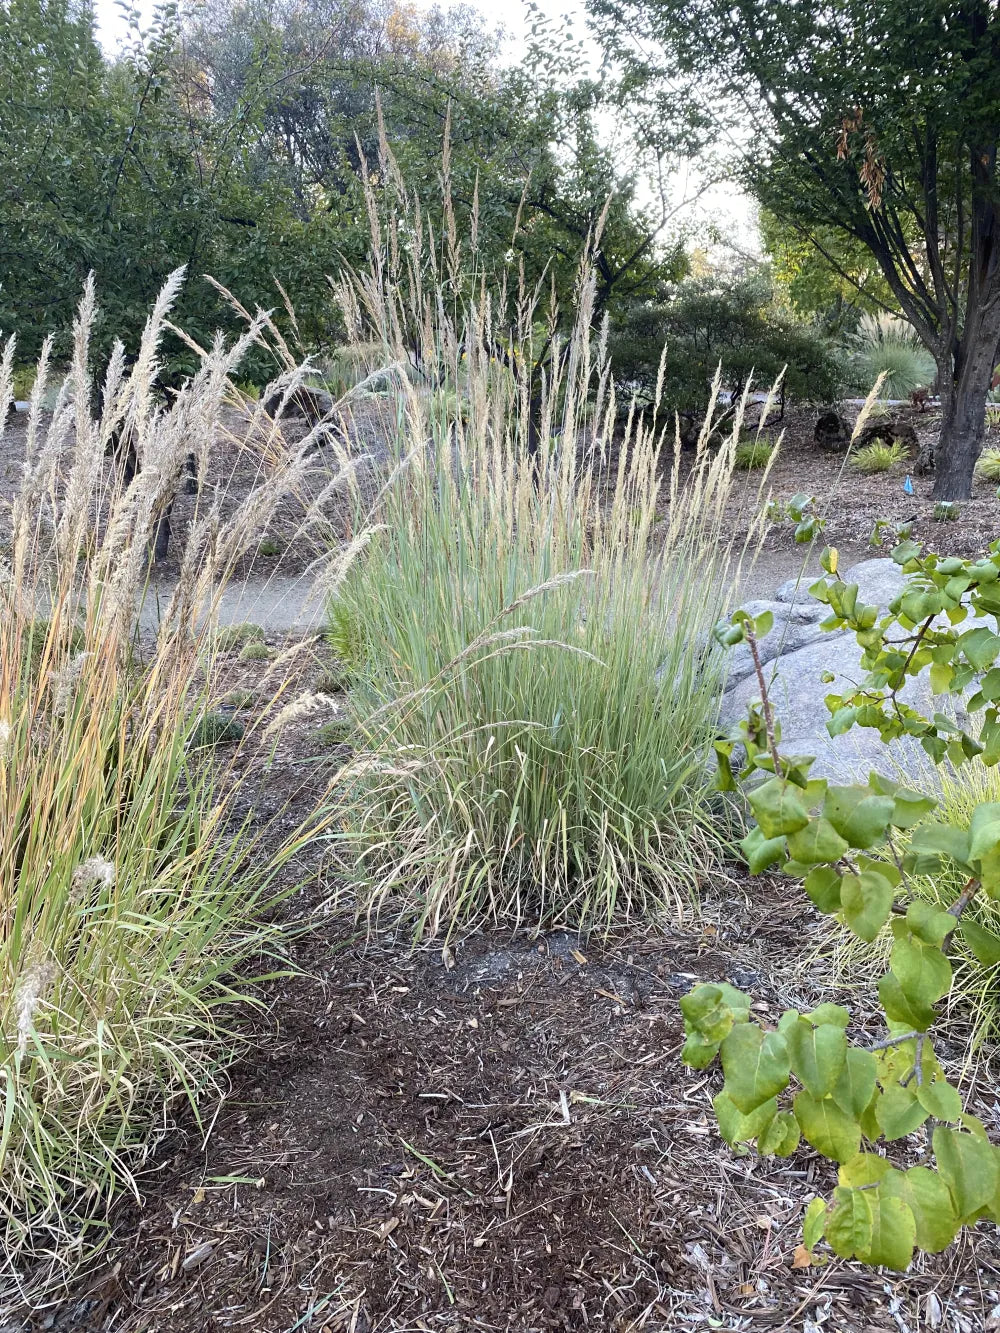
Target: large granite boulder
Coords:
[[797, 654]]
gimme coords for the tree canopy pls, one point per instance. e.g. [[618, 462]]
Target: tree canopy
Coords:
[[876, 123], [232, 142]]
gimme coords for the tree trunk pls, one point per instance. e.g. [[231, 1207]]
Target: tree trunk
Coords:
[[963, 419]]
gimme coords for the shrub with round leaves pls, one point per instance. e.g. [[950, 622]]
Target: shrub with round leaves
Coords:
[[855, 849]]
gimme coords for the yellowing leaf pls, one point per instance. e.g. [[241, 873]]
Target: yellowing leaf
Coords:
[[830, 1130]]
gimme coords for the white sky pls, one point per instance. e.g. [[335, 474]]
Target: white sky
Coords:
[[724, 207]]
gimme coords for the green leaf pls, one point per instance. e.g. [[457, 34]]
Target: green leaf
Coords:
[[866, 900], [980, 647], [856, 1084], [985, 945], [761, 852], [707, 1011], [781, 1137], [778, 809], [910, 807], [842, 721], [829, 1129], [850, 1222], [724, 780], [858, 814], [734, 1126], [823, 887], [929, 1201], [698, 1052], [940, 677], [818, 841], [817, 1055], [898, 1112], [929, 923], [940, 1099], [942, 839], [894, 1233], [763, 625], [968, 1166], [814, 1223], [755, 1064], [922, 970], [898, 1007], [906, 551], [834, 1014], [984, 830], [865, 1169]]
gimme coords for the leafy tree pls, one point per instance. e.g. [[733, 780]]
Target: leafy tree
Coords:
[[834, 290], [52, 76], [878, 122], [703, 323], [524, 152], [121, 169]]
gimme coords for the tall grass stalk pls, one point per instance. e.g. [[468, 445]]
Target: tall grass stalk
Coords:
[[536, 687], [131, 890]]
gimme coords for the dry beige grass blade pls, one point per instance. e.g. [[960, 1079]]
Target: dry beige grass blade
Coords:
[[131, 891]]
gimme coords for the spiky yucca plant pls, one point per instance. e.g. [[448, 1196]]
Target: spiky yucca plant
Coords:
[[131, 891], [886, 345]]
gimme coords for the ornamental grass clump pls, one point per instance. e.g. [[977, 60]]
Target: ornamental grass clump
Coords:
[[878, 457], [888, 346], [753, 452], [131, 890], [534, 683], [988, 465]]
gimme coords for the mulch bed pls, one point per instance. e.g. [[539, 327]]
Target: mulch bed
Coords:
[[851, 502], [499, 1135]]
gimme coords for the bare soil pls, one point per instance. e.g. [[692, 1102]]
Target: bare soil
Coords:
[[851, 503]]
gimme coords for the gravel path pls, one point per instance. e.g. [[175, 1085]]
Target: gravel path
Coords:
[[284, 604]]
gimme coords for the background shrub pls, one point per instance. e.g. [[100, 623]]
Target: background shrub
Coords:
[[885, 344], [702, 323]]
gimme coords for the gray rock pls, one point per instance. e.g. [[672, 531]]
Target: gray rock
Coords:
[[787, 636], [797, 612], [798, 694], [797, 653], [879, 580]]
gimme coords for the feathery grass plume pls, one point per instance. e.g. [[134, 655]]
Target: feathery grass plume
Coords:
[[535, 686], [131, 889]]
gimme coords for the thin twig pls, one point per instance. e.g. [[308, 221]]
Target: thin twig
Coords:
[[772, 745], [894, 1041]]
